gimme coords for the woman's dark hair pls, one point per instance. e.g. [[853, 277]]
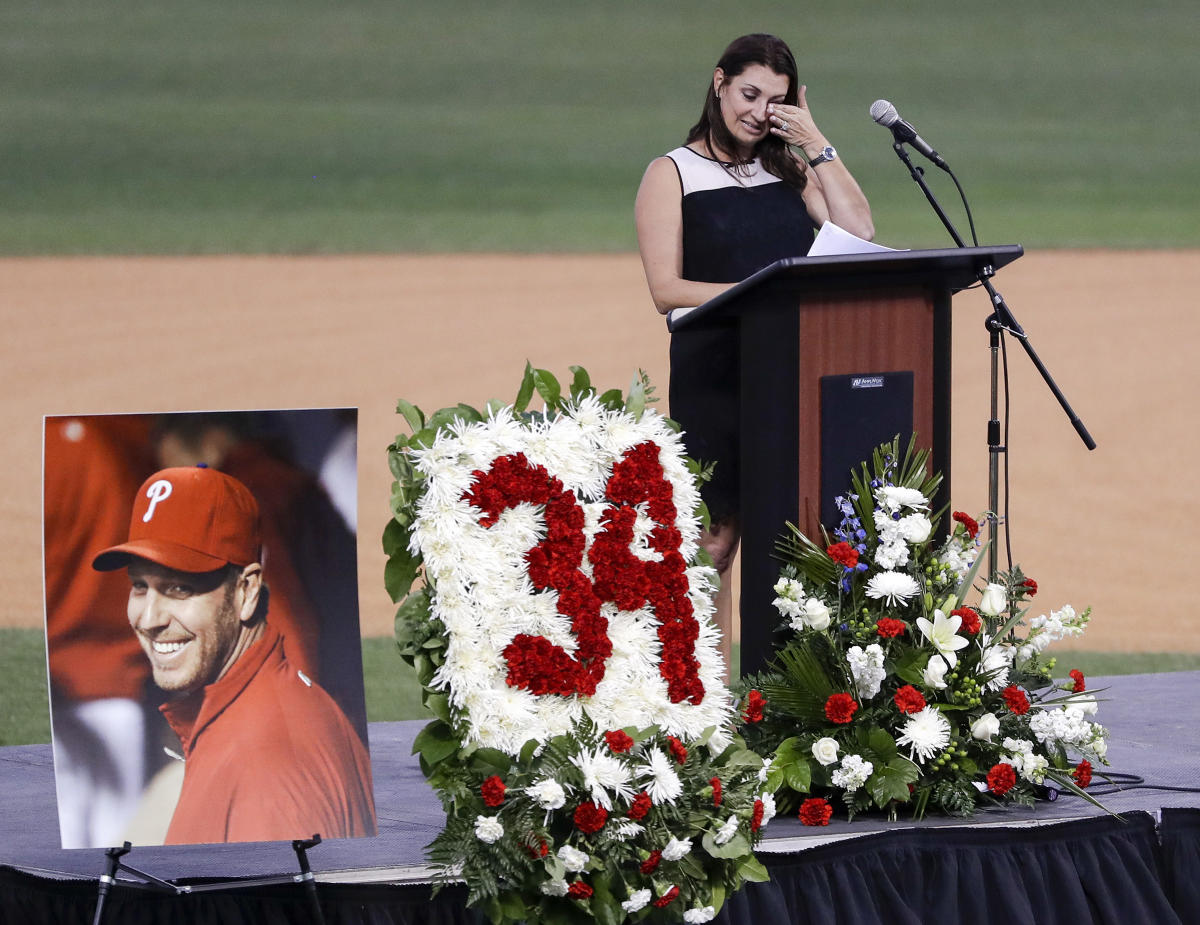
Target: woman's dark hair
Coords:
[[772, 53]]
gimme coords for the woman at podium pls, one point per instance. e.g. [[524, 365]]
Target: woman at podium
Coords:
[[750, 185]]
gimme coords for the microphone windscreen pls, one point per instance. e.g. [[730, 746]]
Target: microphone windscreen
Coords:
[[884, 113]]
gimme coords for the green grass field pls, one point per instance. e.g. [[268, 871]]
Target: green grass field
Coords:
[[392, 690], [159, 126]]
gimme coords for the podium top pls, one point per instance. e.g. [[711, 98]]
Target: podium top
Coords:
[[952, 268]]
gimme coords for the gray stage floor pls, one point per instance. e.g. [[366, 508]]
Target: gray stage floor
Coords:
[[1153, 721]]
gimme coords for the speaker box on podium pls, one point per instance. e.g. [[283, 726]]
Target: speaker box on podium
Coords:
[[838, 354]]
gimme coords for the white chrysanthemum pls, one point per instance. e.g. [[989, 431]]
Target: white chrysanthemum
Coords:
[[676, 848], [866, 666], [994, 663], [637, 901], [894, 587], [942, 634], [573, 859], [852, 773], [555, 887], [604, 775], [897, 497], [625, 830], [548, 794], [662, 783], [488, 829], [726, 832], [700, 914], [925, 733]]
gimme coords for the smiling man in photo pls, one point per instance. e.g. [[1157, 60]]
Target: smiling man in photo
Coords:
[[268, 755]]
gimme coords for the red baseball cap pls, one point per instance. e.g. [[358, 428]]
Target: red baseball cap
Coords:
[[191, 519]]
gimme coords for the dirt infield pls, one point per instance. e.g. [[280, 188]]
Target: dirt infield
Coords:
[[100, 335]]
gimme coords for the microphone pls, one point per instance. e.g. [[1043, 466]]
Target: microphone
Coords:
[[885, 114]]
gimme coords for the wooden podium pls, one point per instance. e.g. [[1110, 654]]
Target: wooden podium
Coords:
[[838, 355]]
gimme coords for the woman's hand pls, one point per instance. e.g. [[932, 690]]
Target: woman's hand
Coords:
[[795, 125]]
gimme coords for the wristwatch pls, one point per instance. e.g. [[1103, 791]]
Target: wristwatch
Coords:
[[828, 153]]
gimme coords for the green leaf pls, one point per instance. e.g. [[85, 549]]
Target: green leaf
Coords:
[[606, 908], [613, 400], [525, 392], [438, 704], [547, 387], [491, 761], [412, 414], [891, 781], [402, 566], [635, 403], [581, 382], [436, 742], [734, 848], [752, 870]]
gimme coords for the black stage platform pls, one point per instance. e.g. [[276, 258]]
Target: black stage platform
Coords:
[[1015, 865]]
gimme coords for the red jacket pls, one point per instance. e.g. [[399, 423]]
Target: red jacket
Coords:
[[269, 757]]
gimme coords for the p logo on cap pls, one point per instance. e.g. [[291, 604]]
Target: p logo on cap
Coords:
[[190, 520], [158, 491]]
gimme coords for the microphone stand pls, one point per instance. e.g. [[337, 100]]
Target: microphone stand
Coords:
[[999, 322]]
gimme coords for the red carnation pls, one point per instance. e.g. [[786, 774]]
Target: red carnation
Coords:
[[590, 818], [756, 817], [1030, 586], [640, 806], [840, 708], [579, 890], [678, 752], [754, 707], [492, 790], [667, 898], [650, 865], [889, 628], [717, 792], [970, 620], [1082, 774], [1077, 676], [1016, 700], [969, 523], [843, 553], [815, 811], [909, 700], [1001, 778], [618, 741], [538, 851]]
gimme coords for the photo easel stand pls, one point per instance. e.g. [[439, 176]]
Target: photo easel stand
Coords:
[[114, 864]]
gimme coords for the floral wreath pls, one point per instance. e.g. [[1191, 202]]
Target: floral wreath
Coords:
[[584, 746], [892, 690]]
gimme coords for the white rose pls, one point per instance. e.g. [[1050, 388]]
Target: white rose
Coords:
[[573, 859], [935, 672], [985, 727], [825, 751], [994, 600], [915, 528], [816, 614], [488, 829]]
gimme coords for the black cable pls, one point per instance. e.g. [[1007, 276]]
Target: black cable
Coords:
[[1007, 453], [963, 196]]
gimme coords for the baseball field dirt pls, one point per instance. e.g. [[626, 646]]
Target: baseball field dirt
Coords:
[[1107, 528]]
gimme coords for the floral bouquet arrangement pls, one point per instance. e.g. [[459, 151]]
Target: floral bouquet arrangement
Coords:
[[894, 689], [584, 745]]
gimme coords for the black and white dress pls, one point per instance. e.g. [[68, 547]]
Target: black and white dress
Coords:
[[735, 222]]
